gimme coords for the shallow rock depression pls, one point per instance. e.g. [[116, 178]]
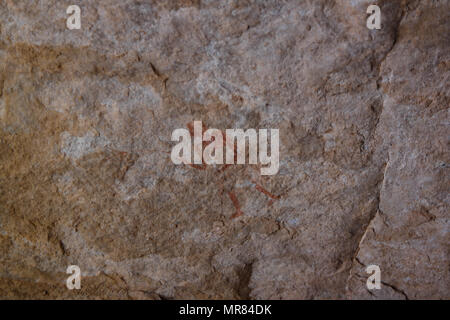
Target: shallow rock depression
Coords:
[[86, 177]]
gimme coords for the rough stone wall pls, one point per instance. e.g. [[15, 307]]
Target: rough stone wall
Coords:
[[86, 118]]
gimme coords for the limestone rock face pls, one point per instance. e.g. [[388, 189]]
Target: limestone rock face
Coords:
[[86, 179]]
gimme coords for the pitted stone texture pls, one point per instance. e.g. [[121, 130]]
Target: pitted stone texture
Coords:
[[86, 118]]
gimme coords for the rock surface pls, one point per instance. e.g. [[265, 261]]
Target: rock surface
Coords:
[[86, 118]]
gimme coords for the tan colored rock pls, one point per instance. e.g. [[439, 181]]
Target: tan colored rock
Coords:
[[86, 118]]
